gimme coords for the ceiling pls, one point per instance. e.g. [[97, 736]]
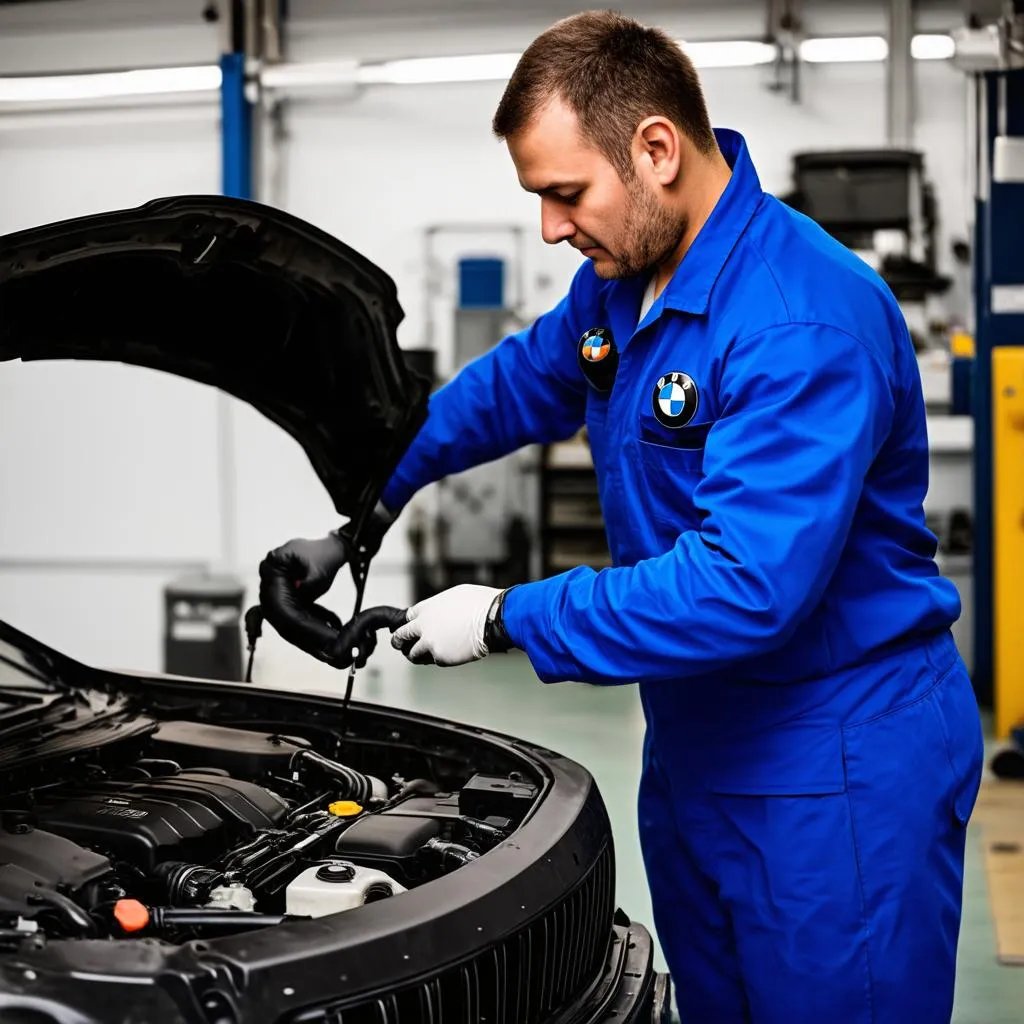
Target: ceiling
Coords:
[[693, 19]]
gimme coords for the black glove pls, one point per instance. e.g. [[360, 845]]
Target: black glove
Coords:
[[318, 631], [295, 575], [312, 565]]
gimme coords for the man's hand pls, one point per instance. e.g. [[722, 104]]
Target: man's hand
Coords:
[[451, 628], [308, 565], [318, 631], [294, 576], [311, 565]]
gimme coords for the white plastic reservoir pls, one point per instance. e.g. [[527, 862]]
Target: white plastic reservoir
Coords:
[[335, 886]]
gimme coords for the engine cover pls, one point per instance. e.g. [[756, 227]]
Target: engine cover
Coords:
[[37, 860], [192, 816]]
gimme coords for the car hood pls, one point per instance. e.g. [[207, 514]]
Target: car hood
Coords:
[[236, 295]]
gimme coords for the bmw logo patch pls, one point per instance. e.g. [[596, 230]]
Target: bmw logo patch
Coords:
[[598, 358], [675, 400]]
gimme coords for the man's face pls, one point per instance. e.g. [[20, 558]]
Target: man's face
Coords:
[[625, 228]]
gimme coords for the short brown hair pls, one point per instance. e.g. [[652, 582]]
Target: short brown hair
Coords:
[[612, 72]]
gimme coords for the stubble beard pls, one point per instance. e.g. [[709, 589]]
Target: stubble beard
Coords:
[[650, 234]]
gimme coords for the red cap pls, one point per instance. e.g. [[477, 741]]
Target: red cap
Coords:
[[131, 915]]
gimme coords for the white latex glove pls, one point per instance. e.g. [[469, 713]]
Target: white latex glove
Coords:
[[448, 628]]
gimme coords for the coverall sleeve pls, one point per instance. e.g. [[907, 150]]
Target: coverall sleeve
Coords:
[[805, 409], [527, 390]]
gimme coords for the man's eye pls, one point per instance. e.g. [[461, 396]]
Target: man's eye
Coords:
[[570, 200]]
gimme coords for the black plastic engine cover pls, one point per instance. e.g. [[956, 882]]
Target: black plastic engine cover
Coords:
[[243, 753], [34, 860], [440, 806], [390, 843], [191, 817]]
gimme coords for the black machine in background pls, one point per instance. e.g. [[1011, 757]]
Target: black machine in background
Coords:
[[572, 524], [853, 194], [202, 615]]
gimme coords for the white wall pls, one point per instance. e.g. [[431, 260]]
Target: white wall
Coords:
[[122, 467], [102, 463]]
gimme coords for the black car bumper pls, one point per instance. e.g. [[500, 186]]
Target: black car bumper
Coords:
[[631, 992]]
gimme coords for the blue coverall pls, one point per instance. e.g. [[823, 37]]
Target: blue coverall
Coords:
[[813, 747]]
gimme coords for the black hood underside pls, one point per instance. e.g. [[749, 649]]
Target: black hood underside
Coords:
[[238, 296]]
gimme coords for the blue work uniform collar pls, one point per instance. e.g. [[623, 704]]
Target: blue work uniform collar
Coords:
[[690, 287], [689, 290]]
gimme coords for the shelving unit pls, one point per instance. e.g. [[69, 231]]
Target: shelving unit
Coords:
[[571, 526]]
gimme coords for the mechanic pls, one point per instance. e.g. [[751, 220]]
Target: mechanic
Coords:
[[751, 395]]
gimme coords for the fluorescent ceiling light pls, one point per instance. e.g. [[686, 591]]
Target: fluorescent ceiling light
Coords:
[[108, 84], [846, 49], [489, 67], [480, 67], [484, 67], [738, 54], [326, 73], [928, 47]]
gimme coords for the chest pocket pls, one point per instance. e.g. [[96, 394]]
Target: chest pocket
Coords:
[[671, 462]]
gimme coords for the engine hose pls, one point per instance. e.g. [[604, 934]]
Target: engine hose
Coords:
[[70, 912], [263, 843], [250, 861], [177, 917], [486, 834], [355, 786], [256, 876], [260, 874], [312, 819], [187, 884], [317, 801], [236, 858], [451, 855]]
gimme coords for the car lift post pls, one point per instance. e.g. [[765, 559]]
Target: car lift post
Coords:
[[998, 399], [236, 109]]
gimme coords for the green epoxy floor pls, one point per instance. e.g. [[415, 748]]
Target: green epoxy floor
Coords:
[[602, 728]]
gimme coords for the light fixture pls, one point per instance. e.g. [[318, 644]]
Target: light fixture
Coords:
[[479, 67], [298, 76], [740, 53], [844, 50], [53, 90], [932, 47], [110, 84]]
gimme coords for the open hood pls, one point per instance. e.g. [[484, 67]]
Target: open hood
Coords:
[[236, 295]]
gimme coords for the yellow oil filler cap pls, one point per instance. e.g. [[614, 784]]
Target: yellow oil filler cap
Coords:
[[345, 808]]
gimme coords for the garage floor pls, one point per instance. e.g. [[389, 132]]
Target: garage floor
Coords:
[[603, 728]]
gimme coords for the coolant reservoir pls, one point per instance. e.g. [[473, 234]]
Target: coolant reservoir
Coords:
[[335, 886]]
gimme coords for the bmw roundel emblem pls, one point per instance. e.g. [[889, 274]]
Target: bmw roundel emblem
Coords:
[[675, 400], [596, 346], [598, 358]]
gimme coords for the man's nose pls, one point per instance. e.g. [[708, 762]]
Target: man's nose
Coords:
[[555, 227]]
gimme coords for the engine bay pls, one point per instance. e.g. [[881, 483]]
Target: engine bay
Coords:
[[205, 829]]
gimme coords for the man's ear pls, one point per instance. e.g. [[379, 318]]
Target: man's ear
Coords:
[[657, 144]]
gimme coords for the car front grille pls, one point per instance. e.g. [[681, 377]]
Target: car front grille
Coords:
[[524, 979]]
